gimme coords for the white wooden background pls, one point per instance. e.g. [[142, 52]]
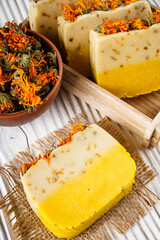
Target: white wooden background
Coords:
[[15, 139]]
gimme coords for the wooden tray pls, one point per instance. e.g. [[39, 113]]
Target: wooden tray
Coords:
[[139, 114]]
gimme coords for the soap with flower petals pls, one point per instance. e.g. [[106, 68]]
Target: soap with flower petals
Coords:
[[86, 176], [125, 56], [74, 32]]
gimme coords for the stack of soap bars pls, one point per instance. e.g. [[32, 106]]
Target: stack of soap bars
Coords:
[[115, 42], [74, 27]]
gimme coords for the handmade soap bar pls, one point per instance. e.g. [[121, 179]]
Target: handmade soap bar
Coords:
[[74, 33], [127, 63], [43, 17], [81, 181]]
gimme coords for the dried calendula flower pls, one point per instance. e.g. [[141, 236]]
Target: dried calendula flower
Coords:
[[111, 27], [24, 60], [4, 78], [6, 104], [76, 128], [87, 6], [23, 90], [155, 17], [24, 168], [27, 71]]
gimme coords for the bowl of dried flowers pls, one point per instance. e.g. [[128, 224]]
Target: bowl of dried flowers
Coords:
[[30, 74]]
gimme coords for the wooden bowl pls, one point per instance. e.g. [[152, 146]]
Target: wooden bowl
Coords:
[[21, 117]]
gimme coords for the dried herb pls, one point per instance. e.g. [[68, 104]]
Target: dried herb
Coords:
[[76, 128], [27, 72], [84, 7], [111, 27], [6, 104], [26, 166]]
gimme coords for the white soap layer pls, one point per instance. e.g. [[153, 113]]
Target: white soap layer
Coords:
[[112, 51], [66, 162]]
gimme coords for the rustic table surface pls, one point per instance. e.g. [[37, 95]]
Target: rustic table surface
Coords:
[[15, 139]]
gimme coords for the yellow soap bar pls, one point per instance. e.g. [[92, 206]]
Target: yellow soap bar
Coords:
[[84, 179], [43, 17], [127, 63], [74, 36]]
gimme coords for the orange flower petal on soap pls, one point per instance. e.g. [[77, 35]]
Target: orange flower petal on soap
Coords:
[[75, 128], [83, 7], [127, 2], [156, 16]]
